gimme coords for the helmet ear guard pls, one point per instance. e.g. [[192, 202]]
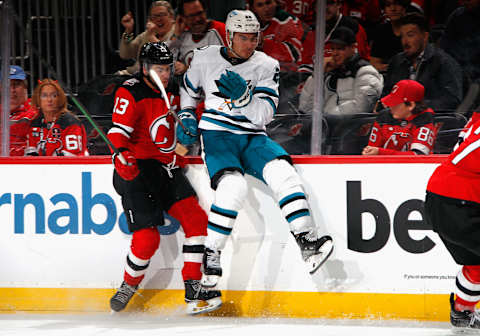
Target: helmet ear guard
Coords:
[[241, 21]]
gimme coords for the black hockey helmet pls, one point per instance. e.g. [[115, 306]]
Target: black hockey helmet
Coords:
[[155, 53]]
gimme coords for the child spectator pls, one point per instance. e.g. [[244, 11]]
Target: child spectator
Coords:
[[406, 127]]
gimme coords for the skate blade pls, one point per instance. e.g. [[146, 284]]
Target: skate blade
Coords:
[[200, 307], [315, 261], [209, 281]]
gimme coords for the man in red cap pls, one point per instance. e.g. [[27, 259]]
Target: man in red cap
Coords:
[[21, 113], [405, 126]]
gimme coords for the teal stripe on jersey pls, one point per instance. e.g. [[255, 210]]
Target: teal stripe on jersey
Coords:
[[227, 125], [226, 212], [218, 228], [286, 199], [235, 118], [266, 90], [268, 99], [297, 215], [190, 85]]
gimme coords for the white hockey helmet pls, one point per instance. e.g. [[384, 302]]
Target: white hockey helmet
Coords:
[[240, 21]]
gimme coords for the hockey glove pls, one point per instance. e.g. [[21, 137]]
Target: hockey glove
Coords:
[[126, 171], [189, 135], [233, 86]]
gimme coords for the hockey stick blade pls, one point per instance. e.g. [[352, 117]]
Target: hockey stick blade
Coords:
[[159, 84]]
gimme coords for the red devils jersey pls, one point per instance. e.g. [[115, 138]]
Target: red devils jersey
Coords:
[[302, 9], [282, 38], [141, 122], [459, 176], [20, 121], [65, 137], [414, 135]]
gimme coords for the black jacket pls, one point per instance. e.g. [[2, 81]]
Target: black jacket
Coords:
[[438, 72]]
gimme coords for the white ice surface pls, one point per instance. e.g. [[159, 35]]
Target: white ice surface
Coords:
[[149, 325]]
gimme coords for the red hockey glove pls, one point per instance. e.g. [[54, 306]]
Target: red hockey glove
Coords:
[[127, 171]]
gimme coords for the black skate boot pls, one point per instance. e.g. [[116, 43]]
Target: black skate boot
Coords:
[[463, 319], [121, 298], [212, 270], [315, 251], [199, 299]]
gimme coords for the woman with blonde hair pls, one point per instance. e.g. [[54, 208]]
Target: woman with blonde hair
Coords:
[[55, 131]]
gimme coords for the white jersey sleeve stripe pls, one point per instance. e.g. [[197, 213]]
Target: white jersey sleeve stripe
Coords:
[[234, 118]]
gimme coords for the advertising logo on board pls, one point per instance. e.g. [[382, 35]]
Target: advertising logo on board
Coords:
[[72, 215]]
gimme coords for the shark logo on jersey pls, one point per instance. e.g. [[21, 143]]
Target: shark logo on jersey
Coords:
[[227, 100]]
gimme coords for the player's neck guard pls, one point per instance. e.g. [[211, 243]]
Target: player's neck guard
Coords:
[[234, 60]]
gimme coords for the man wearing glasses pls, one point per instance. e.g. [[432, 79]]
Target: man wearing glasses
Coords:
[[193, 30], [159, 28]]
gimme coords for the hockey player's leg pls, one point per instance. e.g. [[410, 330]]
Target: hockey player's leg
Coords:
[[229, 196], [462, 309], [285, 182], [194, 223], [144, 244]]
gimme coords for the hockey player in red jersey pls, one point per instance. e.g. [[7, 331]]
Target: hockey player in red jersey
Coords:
[[55, 131], [452, 208], [406, 126], [151, 181]]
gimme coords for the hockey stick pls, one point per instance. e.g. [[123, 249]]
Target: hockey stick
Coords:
[[159, 84], [97, 128]]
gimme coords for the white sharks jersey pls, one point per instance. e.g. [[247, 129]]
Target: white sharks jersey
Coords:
[[260, 71]]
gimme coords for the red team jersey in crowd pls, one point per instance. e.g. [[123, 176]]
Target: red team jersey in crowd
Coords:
[[20, 120], [302, 9], [415, 135], [282, 38], [141, 122], [459, 176], [65, 137]]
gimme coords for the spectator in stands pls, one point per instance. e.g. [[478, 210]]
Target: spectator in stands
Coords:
[[21, 113], [406, 126], [304, 10], [437, 71], [352, 84], [462, 38], [160, 27], [193, 30], [334, 18], [55, 131], [385, 39], [282, 33], [366, 12]]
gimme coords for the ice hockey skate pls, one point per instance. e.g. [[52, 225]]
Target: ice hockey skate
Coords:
[[212, 270], [315, 251], [119, 301], [463, 319], [199, 299]]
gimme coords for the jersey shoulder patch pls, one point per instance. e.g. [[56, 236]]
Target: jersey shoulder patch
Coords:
[[130, 82]]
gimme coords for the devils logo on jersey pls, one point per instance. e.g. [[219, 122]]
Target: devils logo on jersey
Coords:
[[160, 131]]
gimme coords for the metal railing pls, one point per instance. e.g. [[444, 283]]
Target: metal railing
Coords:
[[75, 40]]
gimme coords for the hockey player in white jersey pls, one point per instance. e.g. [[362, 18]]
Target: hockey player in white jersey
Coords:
[[240, 88]]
